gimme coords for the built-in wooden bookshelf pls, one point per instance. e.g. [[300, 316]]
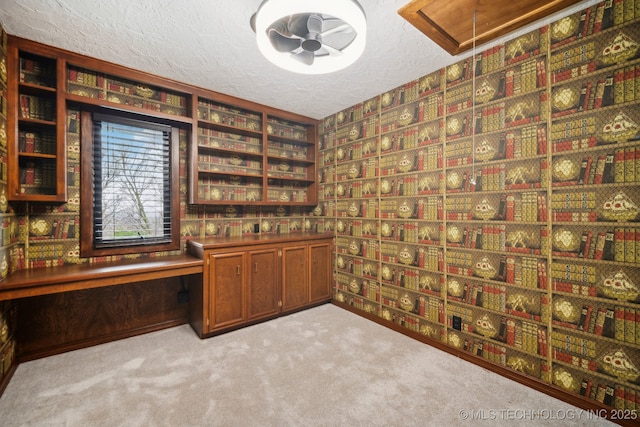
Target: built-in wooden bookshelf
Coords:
[[97, 85], [518, 187], [242, 153], [245, 155], [37, 156]]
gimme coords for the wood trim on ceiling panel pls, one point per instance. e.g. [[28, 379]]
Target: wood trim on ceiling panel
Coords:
[[444, 21]]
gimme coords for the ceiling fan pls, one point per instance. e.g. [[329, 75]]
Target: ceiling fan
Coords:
[[310, 37]]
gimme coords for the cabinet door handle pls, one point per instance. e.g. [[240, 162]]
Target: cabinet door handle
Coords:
[[256, 267], [237, 270]]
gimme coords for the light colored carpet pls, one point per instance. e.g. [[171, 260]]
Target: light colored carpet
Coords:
[[320, 367]]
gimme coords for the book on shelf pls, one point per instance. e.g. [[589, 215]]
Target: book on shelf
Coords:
[[599, 324], [585, 166], [585, 317], [599, 246], [585, 244]]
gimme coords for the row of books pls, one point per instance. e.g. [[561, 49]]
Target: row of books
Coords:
[[61, 228], [36, 107], [208, 162], [343, 208], [573, 134], [573, 201], [614, 395], [494, 297], [626, 84], [37, 142], [580, 273], [593, 95], [364, 169], [430, 108], [368, 289], [494, 237], [598, 321], [231, 145], [526, 206], [8, 231], [84, 79], [564, 345], [213, 138], [574, 62], [414, 233], [358, 302], [37, 71], [495, 177], [207, 109], [431, 309], [520, 334], [364, 149], [600, 17], [230, 193], [46, 251], [290, 195], [360, 130], [404, 94], [494, 353], [286, 130], [361, 110], [621, 166], [621, 244], [41, 174]]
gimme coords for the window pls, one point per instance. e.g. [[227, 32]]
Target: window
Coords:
[[129, 185]]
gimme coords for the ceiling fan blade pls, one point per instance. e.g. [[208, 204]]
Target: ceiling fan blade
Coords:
[[331, 50], [298, 24], [314, 23], [305, 57], [283, 43], [338, 40], [330, 26]]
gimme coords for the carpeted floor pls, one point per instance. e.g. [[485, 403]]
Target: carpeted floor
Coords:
[[320, 367]]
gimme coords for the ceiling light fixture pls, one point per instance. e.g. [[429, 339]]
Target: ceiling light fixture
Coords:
[[310, 36]]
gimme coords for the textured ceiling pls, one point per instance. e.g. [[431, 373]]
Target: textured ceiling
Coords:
[[210, 44]]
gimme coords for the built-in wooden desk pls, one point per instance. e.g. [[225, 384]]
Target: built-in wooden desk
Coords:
[[73, 277]]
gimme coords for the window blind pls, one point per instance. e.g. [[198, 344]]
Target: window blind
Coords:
[[132, 182]]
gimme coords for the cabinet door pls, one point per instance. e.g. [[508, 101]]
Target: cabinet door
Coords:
[[263, 283], [227, 290], [295, 288], [320, 272]]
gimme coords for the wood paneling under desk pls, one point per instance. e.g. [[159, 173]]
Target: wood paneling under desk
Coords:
[[52, 324]]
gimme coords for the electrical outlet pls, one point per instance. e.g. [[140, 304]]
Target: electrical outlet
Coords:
[[456, 323]]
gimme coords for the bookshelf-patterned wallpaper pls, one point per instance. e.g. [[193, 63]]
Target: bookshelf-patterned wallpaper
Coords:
[[504, 222], [8, 227]]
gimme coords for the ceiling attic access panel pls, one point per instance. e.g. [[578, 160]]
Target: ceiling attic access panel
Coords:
[[444, 21]]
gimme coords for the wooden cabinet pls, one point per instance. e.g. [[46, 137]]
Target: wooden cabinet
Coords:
[[36, 154], [263, 283], [251, 279], [295, 277], [226, 300]]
